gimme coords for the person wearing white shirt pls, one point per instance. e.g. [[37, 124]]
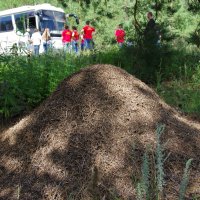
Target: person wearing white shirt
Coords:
[[36, 40], [27, 40]]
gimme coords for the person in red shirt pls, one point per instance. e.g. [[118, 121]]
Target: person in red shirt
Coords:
[[88, 32], [75, 39], [66, 38], [82, 43], [120, 35]]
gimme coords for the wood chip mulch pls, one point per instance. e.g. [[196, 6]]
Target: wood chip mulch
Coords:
[[86, 141]]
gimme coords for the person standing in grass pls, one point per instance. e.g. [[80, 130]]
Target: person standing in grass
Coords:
[[120, 35], [150, 24], [46, 39], [75, 39], [36, 40], [151, 35], [66, 39], [27, 38], [82, 43], [88, 32]]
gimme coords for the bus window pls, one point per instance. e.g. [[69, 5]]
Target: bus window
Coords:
[[6, 24], [47, 20], [52, 19], [20, 22], [24, 21], [60, 20]]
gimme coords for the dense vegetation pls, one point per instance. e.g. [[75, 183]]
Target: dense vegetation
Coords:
[[173, 68]]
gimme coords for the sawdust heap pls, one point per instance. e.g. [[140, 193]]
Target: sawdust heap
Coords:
[[87, 140]]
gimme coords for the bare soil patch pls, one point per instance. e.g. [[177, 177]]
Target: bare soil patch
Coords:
[[87, 139]]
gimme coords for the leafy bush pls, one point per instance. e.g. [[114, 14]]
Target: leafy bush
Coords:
[[25, 82]]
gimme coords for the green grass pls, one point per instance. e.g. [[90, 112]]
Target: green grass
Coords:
[[184, 96], [26, 82]]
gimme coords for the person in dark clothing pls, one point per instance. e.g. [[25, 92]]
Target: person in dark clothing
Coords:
[[150, 33], [151, 22], [152, 51]]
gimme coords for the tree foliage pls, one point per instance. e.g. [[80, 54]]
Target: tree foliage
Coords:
[[174, 16]]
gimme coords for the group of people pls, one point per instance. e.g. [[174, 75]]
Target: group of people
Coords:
[[36, 39], [73, 41], [152, 34], [71, 38]]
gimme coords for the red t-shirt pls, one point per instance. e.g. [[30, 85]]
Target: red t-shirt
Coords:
[[66, 36], [120, 34], [88, 30], [75, 35]]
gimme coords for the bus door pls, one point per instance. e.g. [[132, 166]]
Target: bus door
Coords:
[[25, 21]]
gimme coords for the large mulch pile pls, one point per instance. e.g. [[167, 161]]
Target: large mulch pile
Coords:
[[87, 139]]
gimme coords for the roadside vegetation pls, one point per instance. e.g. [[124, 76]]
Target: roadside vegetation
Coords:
[[173, 69], [26, 82]]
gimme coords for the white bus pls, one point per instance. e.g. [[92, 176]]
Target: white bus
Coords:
[[15, 22]]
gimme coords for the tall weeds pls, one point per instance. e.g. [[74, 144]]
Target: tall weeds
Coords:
[[156, 191], [185, 179], [145, 175], [25, 82], [159, 161]]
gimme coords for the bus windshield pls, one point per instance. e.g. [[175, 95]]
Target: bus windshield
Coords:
[[53, 20]]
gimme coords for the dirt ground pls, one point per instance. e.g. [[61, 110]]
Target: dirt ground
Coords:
[[86, 141]]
